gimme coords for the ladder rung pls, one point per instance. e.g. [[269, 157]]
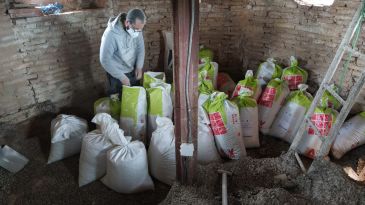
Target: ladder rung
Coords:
[[316, 131], [355, 52], [334, 94]]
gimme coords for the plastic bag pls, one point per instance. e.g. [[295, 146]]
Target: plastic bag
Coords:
[[249, 118], [250, 82], [108, 105], [11, 160], [351, 135], [133, 113], [161, 152], [159, 104], [294, 75], [211, 72], [127, 165], [291, 115], [153, 77], [225, 122], [225, 83], [328, 100], [92, 163], [67, 132], [267, 71], [323, 119], [270, 103]]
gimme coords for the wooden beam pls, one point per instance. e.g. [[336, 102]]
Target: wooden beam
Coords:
[[184, 118]]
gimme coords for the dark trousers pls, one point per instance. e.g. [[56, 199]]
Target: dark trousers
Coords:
[[115, 86]]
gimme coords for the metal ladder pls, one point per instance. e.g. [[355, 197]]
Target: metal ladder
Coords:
[[347, 104]]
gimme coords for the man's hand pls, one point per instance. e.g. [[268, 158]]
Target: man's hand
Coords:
[[138, 74], [125, 81]]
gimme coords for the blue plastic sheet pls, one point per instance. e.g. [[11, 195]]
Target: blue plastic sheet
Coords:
[[55, 8]]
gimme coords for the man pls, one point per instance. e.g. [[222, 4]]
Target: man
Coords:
[[122, 50]]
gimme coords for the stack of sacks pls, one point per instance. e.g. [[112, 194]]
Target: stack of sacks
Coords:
[[67, 132], [328, 100], [95, 144], [126, 162], [323, 119], [108, 105], [294, 75], [291, 115], [351, 135], [248, 117], [133, 112], [207, 151], [225, 123], [267, 71], [225, 84], [250, 82], [270, 103], [211, 68], [161, 152]]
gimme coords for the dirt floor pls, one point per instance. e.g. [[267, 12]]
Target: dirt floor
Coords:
[[254, 179]]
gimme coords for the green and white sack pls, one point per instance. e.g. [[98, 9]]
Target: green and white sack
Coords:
[[351, 135], [291, 115], [153, 77], [159, 104], [211, 69], [267, 71], [270, 103], [205, 54], [250, 82], [249, 118], [328, 100], [294, 75], [323, 119], [225, 123], [108, 105], [133, 113]]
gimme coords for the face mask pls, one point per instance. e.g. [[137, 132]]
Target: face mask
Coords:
[[132, 33]]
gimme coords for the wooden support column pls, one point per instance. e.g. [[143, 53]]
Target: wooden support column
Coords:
[[185, 117]]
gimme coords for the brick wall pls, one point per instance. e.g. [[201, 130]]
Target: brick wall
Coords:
[[51, 62]]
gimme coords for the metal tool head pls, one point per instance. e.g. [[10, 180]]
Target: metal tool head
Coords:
[[224, 172]]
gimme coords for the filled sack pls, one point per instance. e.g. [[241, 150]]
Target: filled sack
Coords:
[[292, 114], [351, 135], [205, 53], [328, 100], [159, 104], [225, 84], [250, 82], [294, 75], [225, 123], [267, 71], [153, 77], [249, 118], [270, 103], [211, 69], [323, 119], [161, 152], [126, 163], [92, 163], [66, 134], [110, 105], [133, 112]]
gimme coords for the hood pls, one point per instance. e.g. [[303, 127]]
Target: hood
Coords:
[[115, 23]]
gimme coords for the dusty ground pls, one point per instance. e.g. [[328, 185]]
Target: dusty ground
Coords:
[[57, 183], [252, 182]]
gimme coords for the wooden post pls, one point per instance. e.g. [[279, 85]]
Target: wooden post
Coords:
[[185, 116]]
